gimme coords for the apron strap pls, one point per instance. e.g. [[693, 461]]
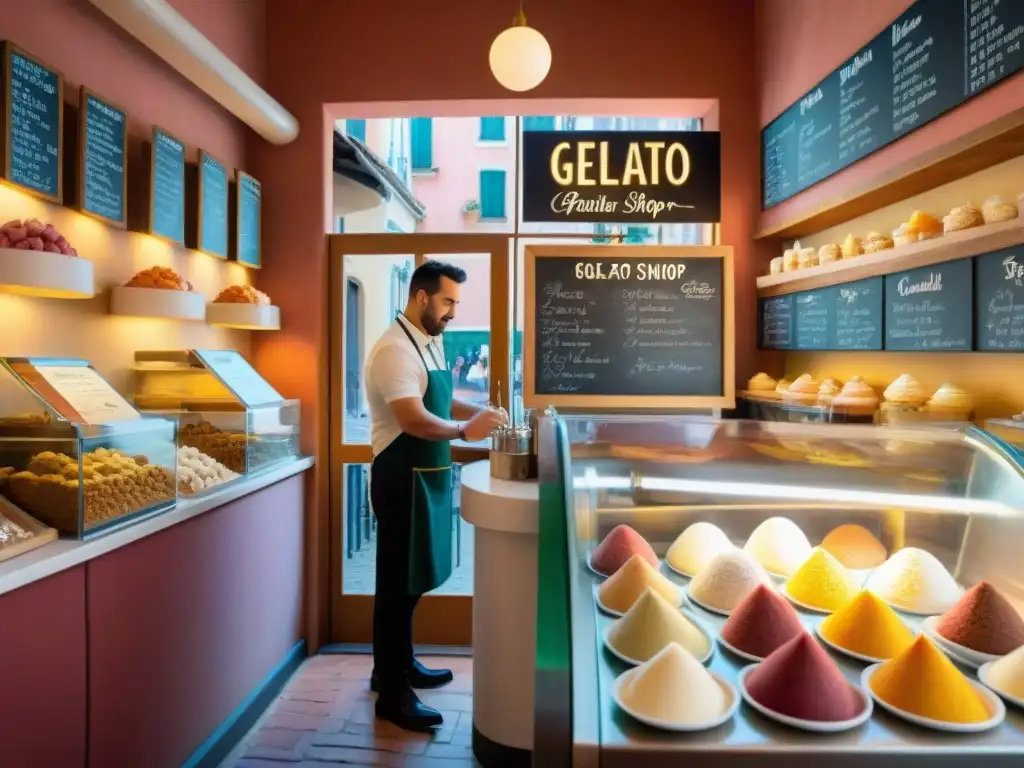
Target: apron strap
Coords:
[[419, 351]]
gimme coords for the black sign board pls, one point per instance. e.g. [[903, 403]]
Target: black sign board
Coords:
[[999, 300], [776, 322], [248, 208], [931, 59], [644, 177], [33, 130], [608, 327], [930, 308], [167, 187], [213, 206], [102, 159]]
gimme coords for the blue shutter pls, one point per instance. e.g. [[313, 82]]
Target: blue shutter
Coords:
[[539, 123], [492, 194], [492, 129], [392, 226], [341, 226], [356, 128], [422, 140], [636, 234]]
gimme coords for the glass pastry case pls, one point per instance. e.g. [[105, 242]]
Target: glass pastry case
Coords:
[[82, 479], [230, 421], [926, 523]]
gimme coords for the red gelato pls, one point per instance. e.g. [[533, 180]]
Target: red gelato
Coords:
[[761, 623], [983, 620], [621, 543], [800, 680]]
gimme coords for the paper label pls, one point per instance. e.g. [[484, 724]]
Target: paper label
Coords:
[[237, 375], [92, 398]]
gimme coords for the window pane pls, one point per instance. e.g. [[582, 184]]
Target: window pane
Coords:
[[375, 291], [492, 128], [356, 128], [359, 537], [422, 143], [492, 194], [538, 123]]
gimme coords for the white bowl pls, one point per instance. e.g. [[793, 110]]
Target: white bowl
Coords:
[[847, 652], [666, 725], [737, 652], [964, 655], [708, 608], [804, 606], [618, 614], [983, 676], [634, 662], [816, 726], [678, 572], [600, 575], [995, 704]]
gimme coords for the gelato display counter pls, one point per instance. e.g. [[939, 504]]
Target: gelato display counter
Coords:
[[781, 594]]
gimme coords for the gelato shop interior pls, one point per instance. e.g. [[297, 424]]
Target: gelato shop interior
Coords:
[[751, 327]]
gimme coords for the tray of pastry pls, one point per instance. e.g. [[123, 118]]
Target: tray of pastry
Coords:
[[20, 532]]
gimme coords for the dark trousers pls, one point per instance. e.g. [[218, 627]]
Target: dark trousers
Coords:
[[393, 606]]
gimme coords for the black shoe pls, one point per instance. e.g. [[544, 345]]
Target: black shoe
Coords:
[[421, 677], [407, 711]]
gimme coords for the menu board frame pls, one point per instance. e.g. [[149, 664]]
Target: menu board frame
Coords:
[[236, 251], [200, 195], [152, 187], [84, 93], [727, 399], [9, 49]]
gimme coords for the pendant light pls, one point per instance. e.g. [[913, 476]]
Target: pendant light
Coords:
[[520, 56]]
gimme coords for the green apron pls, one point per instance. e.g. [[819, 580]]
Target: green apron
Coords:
[[420, 472]]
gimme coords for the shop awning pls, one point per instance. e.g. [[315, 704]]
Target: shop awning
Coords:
[[355, 161]]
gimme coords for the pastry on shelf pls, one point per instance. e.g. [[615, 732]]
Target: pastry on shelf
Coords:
[[827, 391], [782, 386], [775, 266], [803, 391], [852, 247], [830, 252], [905, 234], [242, 294], [876, 241], [962, 217], [927, 226], [856, 399], [199, 472], [33, 235], [762, 385], [806, 257], [790, 262], [997, 208], [950, 403], [164, 278], [903, 399]]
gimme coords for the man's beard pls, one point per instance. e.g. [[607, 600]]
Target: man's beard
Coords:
[[434, 326]]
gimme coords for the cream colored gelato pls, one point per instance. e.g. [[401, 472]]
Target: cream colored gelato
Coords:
[[727, 579], [1007, 674], [651, 624], [696, 547], [779, 545], [674, 687], [914, 580]]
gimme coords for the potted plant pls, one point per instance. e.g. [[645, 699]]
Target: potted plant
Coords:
[[471, 210]]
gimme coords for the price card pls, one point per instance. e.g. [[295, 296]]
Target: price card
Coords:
[[93, 400], [237, 375]]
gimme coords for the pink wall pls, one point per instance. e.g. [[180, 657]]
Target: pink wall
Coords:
[[799, 43]]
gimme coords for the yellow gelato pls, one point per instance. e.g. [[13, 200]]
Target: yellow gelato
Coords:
[[821, 582], [624, 587]]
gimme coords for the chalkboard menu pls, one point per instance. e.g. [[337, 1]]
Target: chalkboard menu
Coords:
[[33, 106], [213, 206], [776, 322], [999, 300], [103, 159], [930, 308], [248, 226], [167, 187], [931, 59], [609, 324]]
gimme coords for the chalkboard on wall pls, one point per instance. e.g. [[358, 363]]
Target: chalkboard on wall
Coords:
[[776, 322], [930, 309], [836, 318], [33, 124], [999, 300], [247, 206], [167, 187], [620, 326], [212, 228], [102, 159], [931, 59]]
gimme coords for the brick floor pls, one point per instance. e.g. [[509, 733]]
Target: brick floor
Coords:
[[325, 717]]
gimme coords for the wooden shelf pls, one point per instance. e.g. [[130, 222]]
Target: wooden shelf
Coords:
[[955, 245], [994, 143]]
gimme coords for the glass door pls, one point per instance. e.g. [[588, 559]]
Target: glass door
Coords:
[[369, 277]]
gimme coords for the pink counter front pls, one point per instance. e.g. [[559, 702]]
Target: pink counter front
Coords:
[[132, 650]]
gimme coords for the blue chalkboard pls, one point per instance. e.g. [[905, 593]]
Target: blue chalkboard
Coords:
[[775, 321], [248, 221], [999, 300], [213, 206], [167, 187], [931, 308], [857, 318], [33, 101], [104, 159]]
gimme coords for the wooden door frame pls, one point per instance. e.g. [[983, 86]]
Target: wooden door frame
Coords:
[[442, 619]]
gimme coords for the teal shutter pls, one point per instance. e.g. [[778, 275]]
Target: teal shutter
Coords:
[[356, 128], [422, 139], [392, 226], [492, 129], [539, 123], [637, 234], [492, 194], [341, 226]]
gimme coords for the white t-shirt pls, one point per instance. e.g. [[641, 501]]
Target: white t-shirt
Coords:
[[394, 371]]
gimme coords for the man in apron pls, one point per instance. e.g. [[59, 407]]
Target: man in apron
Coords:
[[409, 390]]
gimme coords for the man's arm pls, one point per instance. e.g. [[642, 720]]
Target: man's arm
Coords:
[[396, 373], [463, 411], [416, 420]]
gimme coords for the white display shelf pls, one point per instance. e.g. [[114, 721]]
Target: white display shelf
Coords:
[[249, 317], [49, 275], [158, 302]]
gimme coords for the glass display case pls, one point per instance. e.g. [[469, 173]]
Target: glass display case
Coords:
[[955, 493], [81, 479], [230, 421]]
